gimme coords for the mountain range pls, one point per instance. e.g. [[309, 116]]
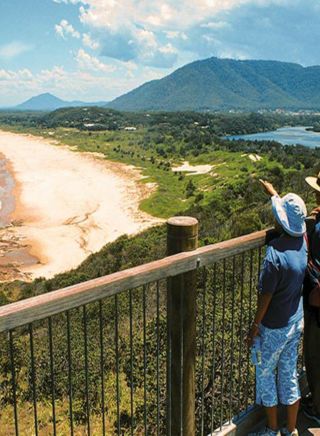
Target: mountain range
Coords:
[[224, 84], [49, 102], [214, 84]]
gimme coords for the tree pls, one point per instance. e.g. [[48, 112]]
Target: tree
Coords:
[[190, 189]]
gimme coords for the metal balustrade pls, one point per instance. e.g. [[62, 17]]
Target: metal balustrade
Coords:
[[111, 356]]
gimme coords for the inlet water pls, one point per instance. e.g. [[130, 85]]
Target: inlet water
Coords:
[[286, 136]]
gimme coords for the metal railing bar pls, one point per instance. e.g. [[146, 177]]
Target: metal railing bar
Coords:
[[213, 334], [257, 296], [144, 361], [86, 367], [169, 372], [116, 320], [51, 303], [52, 376], [233, 284], [33, 380], [223, 341], [131, 362], [102, 367], [203, 349], [249, 323], [181, 356], [240, 379], [259, 263], [69, 372], [13, 379], [158, 352]]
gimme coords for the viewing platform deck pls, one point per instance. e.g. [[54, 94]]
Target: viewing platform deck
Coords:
[[305, 426]]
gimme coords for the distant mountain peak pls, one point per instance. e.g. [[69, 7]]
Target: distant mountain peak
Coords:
[[226, 84], [47, 94], [49, 102]]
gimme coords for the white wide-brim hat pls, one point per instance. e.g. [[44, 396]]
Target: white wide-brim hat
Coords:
[[314, 182], [290, 212]]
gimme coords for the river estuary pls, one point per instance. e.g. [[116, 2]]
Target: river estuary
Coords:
[[286, 136]]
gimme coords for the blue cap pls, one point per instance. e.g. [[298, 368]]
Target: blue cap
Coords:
[[290, 212]]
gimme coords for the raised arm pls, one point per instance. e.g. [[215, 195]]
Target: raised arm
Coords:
[[268, 187]]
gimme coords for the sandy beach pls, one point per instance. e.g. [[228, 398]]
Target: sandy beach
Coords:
[[67, 205]]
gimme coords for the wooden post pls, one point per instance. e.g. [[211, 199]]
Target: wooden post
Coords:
[[182, 235]]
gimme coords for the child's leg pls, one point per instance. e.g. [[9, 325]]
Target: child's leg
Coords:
[[288, 383], [292, 414], [272, 343], [272, 417]]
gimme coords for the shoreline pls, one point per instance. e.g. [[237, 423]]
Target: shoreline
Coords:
[[68, 205]]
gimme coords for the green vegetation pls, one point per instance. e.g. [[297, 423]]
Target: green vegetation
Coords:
[[228, 202], [164, 140]]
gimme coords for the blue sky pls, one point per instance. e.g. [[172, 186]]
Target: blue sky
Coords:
[[98, 49]]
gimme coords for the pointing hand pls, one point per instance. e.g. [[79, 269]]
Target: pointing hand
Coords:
[[269, 189]]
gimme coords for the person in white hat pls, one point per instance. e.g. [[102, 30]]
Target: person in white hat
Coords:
[[278, 322], [311, 405]]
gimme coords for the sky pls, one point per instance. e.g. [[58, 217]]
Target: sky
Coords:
[[96, 50]]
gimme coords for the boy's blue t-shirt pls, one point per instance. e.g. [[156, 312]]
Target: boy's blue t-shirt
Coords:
[[282, 275]]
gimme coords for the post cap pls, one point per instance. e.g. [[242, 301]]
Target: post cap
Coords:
[[182, 227], [182, 221]]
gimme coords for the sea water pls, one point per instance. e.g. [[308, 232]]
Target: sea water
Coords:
[[14, 254], [7, 183]]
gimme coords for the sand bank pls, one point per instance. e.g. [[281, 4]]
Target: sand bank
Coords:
[[193, 169], [67, 205]]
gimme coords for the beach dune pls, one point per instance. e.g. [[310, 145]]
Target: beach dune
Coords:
[[67, 204]]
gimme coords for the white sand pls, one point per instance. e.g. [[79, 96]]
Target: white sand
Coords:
[[193, 169], [69, 204], [254, 157]]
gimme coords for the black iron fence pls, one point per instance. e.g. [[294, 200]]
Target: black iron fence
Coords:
[[101, 357]]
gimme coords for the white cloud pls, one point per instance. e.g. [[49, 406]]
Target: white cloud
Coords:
[[167, 49], [17, 86], [91, 63], [208, 38], [13, 49], [146, 38], [175, 34], [131, 68], [89, 42], [65, 28], [135, 29], [24, 74], [177, 14], [215, 25]]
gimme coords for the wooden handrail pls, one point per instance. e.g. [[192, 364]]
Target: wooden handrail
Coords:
[[45, 305]]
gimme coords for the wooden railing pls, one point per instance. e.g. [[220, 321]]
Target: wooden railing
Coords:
[[139, 316], [45, 305]]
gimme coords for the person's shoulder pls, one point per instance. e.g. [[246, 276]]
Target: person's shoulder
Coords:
[[272, 253], [275, 244]]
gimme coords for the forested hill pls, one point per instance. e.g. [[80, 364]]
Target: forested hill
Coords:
[[222, 84], [49, 102]]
